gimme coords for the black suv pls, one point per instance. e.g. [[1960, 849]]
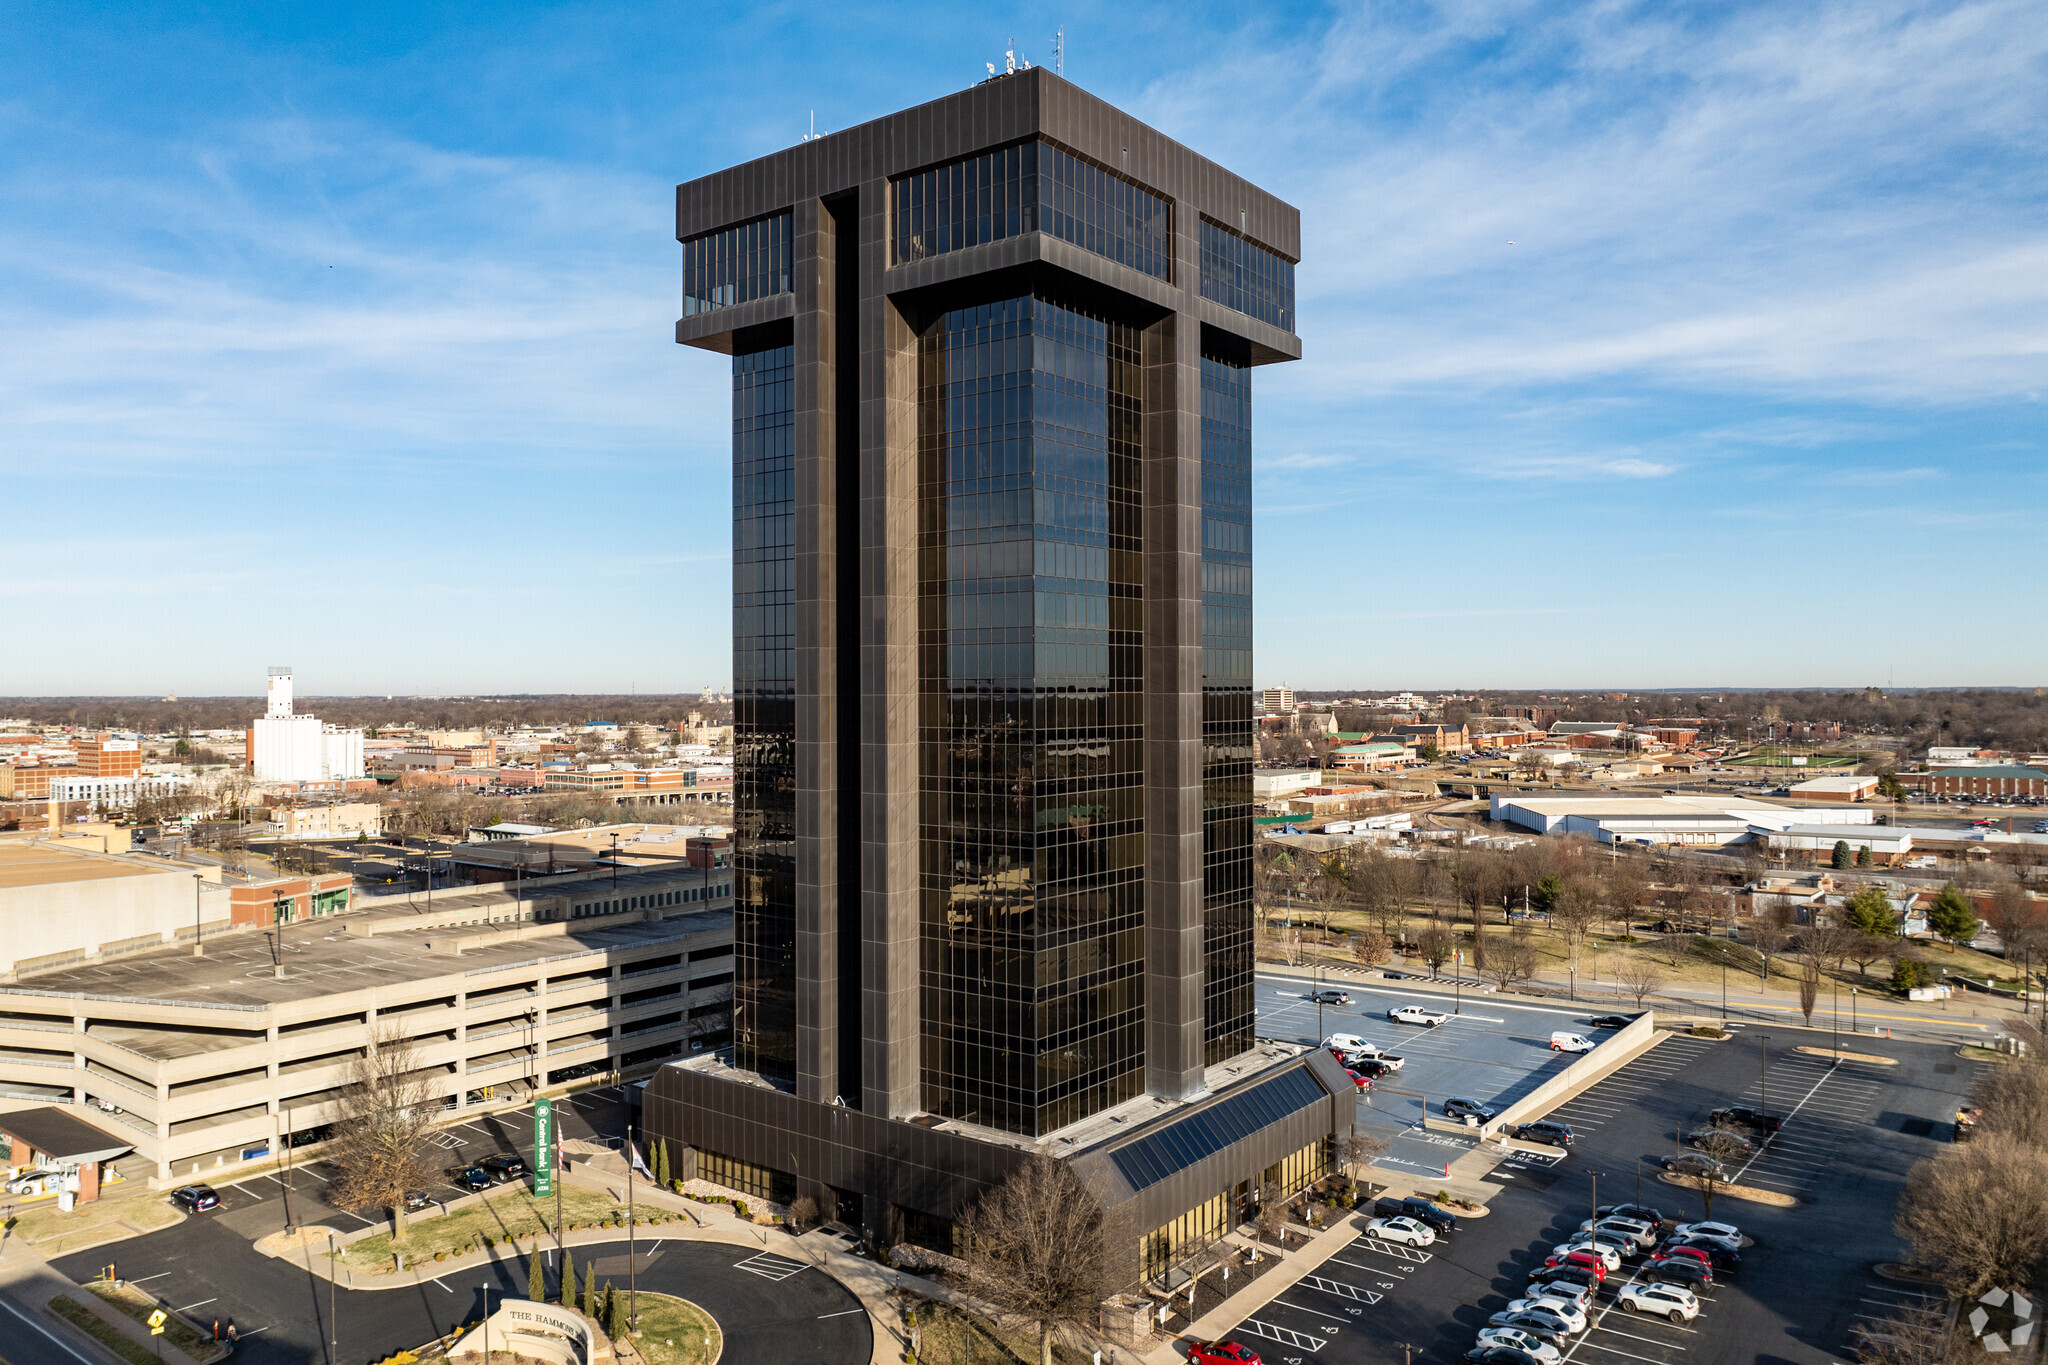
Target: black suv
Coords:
[[1546, 1130], [1610, 1021], [1458, 1107], [1747, 1117], [195, 1198], [1564, 1272], [1642, 1213], [470, 1178], [1421, 1210], [504, 1169]]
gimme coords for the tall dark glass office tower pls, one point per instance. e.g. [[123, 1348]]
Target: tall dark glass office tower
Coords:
[[992, 570]]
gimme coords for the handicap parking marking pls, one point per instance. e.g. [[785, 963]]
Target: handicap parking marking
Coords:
[[1339, 1289], [1286, 1336], [1394, 1250]]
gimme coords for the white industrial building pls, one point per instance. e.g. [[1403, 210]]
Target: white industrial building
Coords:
[[1276, 784], [115, 793], [1697, 820], [285, 747]]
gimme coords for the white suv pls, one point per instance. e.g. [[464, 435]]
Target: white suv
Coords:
[[1672, 1301], [1416, 1014], [1631, 1230]]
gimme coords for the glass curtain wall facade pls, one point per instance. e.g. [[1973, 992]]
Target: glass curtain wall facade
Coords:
[[1242, 275], [1031, 675], [764, 710], [736, 265], [1228, 744], [1029, 187]]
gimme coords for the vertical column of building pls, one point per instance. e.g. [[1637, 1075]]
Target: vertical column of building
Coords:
[[1227, 1026], [1173, 692], [815, 242], [888, 683]]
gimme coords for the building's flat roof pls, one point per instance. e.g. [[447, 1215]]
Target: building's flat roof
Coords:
[[40, 864], [1990, 770], [322, 959], [1837, 783], [55, 1132]]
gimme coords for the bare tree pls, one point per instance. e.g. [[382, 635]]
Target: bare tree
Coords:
[[1433, 945], [1329, 887], [381, 1122], [1828, 941], [2017, 920], [1509, 960], [1371, 947], [1724, 1147], [1973, 1214], [1639, 976], [803, 1213], [1909, 1337], [2014, 1098], [1577, 909], [1038, 1248], [1625, 889], [1358, 1150], [1809, 988], [1272, 1219]]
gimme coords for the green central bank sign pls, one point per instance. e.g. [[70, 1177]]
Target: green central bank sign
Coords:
[[543, 1147]]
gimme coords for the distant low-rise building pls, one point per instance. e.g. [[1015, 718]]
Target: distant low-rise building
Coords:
[[1274, 784], [1980, 780], [337, 821], [1380, 756], [1836, 788], [284, 746]]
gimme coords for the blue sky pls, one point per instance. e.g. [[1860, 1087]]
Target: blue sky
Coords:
[[1647, 345]]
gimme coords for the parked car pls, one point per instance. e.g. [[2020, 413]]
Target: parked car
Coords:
[[1407, 1231], [1328, 998], [1610, 1021], [1417, 1015], [1680, 1270], [1518, 1341], [1350, 1044], [1579, 1296], [504, 1169], [1747, 1117], [29, 1182], [1564, 1040], [1640, 1235], [1572, 1274], [1222, 1353], [1372, 1068], [1545, 1327], [195, 1198], [1718, 1256], [1421, 1210], [1503, 1355], [1694, 1164], [1641, 1213], [1673, 1301], [1724, 1139], [1458, 1107], [1549, 1131], [1726, 1234], [470, 1178], [1595, 1264], [1359, 1079], [1607, 1253], [1571, 1319], [415, 1200]]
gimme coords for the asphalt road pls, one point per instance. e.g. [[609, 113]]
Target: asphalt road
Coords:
[[1851, 1135], [772, 1308]]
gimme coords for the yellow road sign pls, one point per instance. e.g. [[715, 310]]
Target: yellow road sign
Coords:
[[156, 1322]]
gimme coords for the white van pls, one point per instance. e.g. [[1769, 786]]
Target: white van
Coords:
[[1350, 1044], [1570, 1042]]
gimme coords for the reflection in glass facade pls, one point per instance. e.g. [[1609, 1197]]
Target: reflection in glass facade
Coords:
[[1030, 675], [1228, 744], [764, 710], [1239, 273], [1028, 187], [737, 265]]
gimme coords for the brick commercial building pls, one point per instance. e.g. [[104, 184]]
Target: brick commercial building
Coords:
[[1980, 780], [992, 365], [104, 756]]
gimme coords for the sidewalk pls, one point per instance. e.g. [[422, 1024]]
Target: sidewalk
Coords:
[[1219, 1320], [27, 1284]]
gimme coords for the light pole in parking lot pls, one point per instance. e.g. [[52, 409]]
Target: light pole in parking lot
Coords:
[[1763, 1050], [1594, 1231], [1318, 979], [1838, 1026], [1852, 1009]]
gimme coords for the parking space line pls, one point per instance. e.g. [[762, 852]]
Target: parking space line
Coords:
[[1312, 1312], [1286, 1336], [1587, 1340], [1340, 1290]]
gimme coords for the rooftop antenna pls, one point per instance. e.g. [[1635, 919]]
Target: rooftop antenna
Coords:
[[1059, 50], [1010, 59]]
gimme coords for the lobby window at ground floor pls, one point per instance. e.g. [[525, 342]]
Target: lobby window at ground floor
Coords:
[[1300, 1169], [1184, 1236], [746, 1177]]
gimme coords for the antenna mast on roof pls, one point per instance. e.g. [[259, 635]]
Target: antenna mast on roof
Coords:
[[1059, 50]]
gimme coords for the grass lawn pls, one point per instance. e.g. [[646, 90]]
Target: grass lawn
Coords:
[[508, 1214], [102, 1331], [139, 1305], [1693, 959], [54, 1232], [676, 1332], [950, 1336]]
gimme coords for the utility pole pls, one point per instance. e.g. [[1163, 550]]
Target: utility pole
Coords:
[[1594, 1231], [1763, 1052], [333, 1327]]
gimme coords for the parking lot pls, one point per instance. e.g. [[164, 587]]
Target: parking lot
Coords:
[[1489, 1051], [1850, 1135], [263, 1203]]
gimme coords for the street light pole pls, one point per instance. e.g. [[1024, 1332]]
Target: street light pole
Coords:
[[1763, 1050], [1852, 1009], [1838, 1026], [333, 1327], [1594, 1231], [1724, 987], [197, 882]]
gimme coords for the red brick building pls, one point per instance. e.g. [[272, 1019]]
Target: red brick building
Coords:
[[289, 899], [2002, 779], [102, 755]]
